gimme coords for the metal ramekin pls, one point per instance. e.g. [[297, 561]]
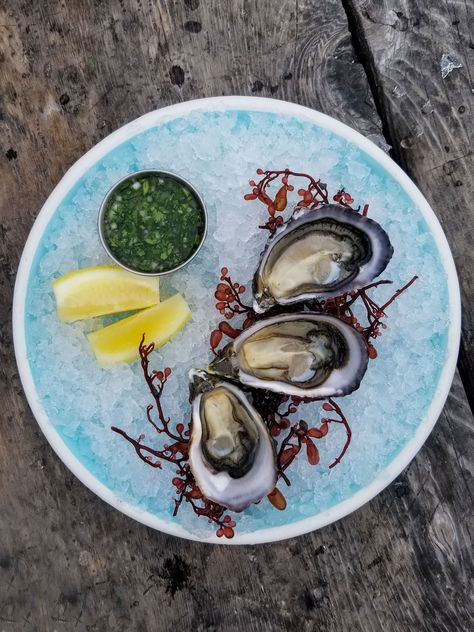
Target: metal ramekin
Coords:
[[138, 174]]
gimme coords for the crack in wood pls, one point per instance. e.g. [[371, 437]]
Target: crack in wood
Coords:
[[363, 55], [372, 69]]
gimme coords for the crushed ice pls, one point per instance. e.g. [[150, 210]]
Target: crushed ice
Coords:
[[218, 153]]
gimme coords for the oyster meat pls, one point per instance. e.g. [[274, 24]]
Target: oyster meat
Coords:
[[319, 253], [232, 455], [303, 354]]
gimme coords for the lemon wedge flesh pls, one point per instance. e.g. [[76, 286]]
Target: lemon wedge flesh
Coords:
[[103, 290], [119, 342]]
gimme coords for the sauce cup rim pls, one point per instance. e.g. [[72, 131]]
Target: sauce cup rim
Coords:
[[136, 174]]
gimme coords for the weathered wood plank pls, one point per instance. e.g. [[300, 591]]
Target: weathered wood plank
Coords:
[[70, 73], [429, 118]]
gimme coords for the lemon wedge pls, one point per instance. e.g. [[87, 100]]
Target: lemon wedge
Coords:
[[119, 342], [103, 290]]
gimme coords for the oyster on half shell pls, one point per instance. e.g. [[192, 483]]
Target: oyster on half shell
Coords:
[[319, 253], [303, 354], [232, 455]]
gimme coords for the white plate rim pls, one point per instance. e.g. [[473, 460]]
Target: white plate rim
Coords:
[[404, 457]]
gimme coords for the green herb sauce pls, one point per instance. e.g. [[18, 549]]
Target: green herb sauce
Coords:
[[153, 223]]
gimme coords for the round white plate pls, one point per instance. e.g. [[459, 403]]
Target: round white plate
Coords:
[[218, 143]]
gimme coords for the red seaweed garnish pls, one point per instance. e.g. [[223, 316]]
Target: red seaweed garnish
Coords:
[[228, 295], [291, 435], [312, 196], [176, 451]]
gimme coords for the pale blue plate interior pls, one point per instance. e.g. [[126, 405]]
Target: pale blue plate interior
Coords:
[[218, 152]]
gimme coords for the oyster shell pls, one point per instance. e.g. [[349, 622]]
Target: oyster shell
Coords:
[[232, 455], [320, 252], [302, 354]]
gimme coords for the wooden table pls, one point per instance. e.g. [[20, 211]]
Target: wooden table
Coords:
[[70, 73]]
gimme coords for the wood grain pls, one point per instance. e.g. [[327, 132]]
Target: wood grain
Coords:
[[69, 74], [429, 119]]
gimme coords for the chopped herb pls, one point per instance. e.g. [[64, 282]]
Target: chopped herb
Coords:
[[153, 223]]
